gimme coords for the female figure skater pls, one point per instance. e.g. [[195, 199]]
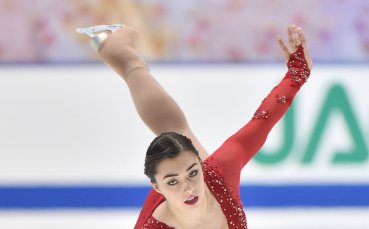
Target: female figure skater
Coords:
[[192, 189]]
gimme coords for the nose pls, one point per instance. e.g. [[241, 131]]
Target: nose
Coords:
[[188, 186]]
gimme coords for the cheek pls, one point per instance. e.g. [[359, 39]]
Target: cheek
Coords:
[[200, 181], [170, 192], [174, 195]]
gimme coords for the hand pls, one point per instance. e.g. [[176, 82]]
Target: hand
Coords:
[[295, 39]]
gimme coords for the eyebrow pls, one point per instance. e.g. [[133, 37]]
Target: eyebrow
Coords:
[[176, 174]]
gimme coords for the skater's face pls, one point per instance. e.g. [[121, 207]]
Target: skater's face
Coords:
[[181, 180]]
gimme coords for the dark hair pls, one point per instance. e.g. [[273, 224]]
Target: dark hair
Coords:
[[166, 145]]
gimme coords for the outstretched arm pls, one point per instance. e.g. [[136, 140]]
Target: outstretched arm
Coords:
[[155, 106], [236, 151], [252, 137]]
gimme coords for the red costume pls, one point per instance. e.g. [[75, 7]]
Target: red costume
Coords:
[[222, 169]]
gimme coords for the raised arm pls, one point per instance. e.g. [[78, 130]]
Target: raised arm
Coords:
[[236, 151], [155, 106]]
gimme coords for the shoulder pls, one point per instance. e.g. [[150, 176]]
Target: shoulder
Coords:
[[153, 200]]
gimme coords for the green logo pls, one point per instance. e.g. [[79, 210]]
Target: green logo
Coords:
[[335, 102]]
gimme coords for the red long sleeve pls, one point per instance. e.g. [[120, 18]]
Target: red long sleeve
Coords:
[[237, 150]]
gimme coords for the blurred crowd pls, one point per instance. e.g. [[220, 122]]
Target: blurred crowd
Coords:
[[209, 30]]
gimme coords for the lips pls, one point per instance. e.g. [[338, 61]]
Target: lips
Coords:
[[192, 200]]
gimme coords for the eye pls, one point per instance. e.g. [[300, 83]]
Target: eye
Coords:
[[173, 182], [194, 173]]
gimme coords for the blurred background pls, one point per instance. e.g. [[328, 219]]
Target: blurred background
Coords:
[[72, 146]]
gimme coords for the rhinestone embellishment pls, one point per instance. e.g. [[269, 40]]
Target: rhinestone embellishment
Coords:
[[231, 207], [261, 114], [281, 99], [298, 68]]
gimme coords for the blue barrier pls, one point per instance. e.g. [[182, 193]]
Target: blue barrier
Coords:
[[79, 197]]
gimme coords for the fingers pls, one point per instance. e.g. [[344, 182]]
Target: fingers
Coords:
[[301, 37], [290, 37], [283, 47], [296, 36], [293, 37], [306, 51]]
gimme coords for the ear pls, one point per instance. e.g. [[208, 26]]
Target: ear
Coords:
[[156, 187]]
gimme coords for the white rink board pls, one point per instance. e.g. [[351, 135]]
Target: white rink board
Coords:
[[77, 124]]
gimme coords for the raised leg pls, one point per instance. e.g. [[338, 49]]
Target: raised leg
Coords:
[[155, 106]]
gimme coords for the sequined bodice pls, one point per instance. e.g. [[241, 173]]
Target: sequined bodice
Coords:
[[231, 205]]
